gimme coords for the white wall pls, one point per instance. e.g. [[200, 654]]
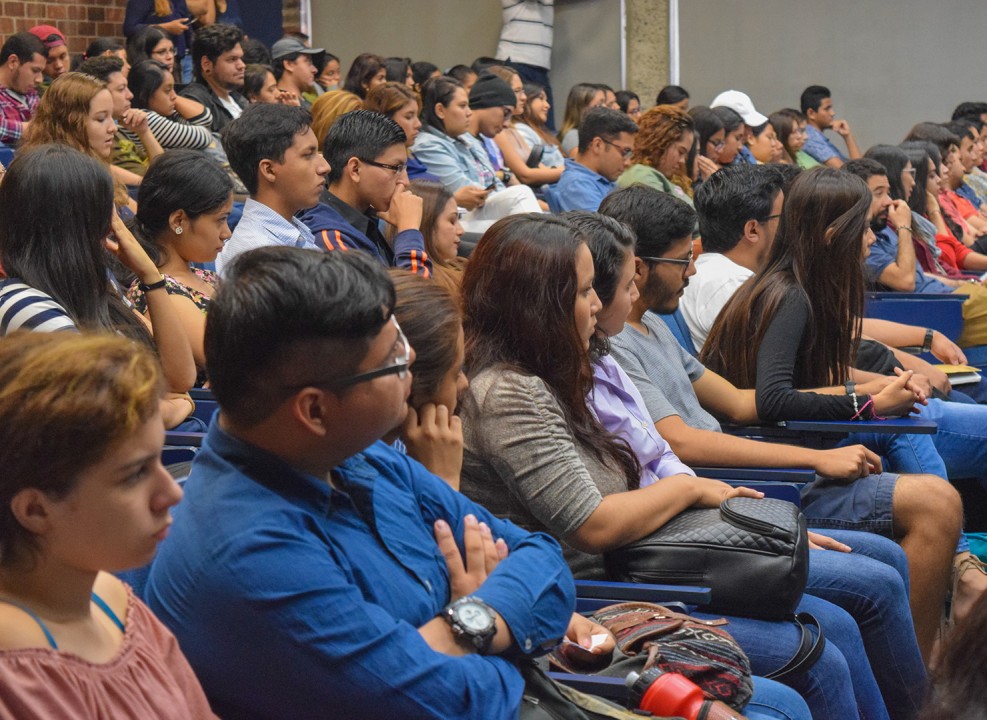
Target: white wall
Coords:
[[449, 32], [889, 64]]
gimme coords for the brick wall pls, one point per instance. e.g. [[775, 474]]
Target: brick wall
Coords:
[[80, 22]]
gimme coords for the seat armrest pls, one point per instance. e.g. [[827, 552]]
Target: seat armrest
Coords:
[[642, 592]]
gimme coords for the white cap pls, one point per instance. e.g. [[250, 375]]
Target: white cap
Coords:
[[741, 103]]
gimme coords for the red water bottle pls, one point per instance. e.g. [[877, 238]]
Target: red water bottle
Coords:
[[672, 695]]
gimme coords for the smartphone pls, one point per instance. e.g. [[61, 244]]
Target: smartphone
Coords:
[[193, 21], [492, 185]]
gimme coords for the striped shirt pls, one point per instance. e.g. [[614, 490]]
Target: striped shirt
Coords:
[[177, 132], [526, 35], [24, 308]]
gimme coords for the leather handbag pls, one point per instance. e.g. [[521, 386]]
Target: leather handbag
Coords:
[[753, 554]]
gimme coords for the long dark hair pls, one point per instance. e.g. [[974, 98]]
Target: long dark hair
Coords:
[[519, 291], [363, 69], [144, 80], [782, 121], [921, 156], [894, 160], [818, 251], [179, 179], [58, 247], [706, 123], [437, 90], [142, 43]]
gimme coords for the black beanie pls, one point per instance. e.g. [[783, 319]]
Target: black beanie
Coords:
[[490, 91]]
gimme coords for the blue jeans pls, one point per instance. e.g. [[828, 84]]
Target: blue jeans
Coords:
[[961, 438], [840, 685], [774, 701], [871, 583], [904, 453]]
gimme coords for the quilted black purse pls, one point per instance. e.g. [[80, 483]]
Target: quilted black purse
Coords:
[[753, 554]]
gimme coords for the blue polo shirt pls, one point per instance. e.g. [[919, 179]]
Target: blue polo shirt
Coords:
[[819, 147], [292, 598], [580, 188], [884, 251]]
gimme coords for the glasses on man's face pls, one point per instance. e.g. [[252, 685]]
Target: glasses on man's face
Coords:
[[396, 169], [625, 152], [684, 262], [769, 218], [398, 366]]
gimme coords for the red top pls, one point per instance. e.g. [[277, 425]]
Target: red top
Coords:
[[148, 678]]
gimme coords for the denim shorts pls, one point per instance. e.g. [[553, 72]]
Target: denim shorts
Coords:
[[864, 504]]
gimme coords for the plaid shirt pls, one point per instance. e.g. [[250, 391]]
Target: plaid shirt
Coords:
[[14, 112]]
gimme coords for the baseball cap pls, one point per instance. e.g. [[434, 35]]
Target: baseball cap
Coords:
[[290, 46], [50, 35], [741, 103]]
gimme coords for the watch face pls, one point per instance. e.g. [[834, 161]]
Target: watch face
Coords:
[[473, 617]]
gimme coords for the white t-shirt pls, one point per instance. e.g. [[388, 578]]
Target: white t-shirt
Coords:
[[716, 280], [526, 35], [231, 105]]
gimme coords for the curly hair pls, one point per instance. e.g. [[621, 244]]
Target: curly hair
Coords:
[[658, 128]]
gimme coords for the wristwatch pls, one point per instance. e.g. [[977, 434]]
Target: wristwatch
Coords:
[[473, 619], [927, 342]]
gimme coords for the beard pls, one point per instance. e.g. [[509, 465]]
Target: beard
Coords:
[[880, 222], [664, 298]]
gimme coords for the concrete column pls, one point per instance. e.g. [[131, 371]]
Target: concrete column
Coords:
[[647, 48]]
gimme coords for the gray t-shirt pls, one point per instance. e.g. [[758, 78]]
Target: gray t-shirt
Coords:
[[521, 462], [663, 372]]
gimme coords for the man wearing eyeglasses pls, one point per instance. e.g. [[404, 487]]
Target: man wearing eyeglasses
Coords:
[[313, 570], [368, 185], [606, 143]]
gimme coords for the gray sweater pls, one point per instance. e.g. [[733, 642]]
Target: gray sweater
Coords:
[[522, 463]]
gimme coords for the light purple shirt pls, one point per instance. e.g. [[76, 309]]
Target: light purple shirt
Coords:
[[620, 408]]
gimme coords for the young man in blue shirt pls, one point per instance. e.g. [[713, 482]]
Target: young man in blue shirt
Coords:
[[368, 183], [312, 569], [817, 106], [274, 152], [606, 143]]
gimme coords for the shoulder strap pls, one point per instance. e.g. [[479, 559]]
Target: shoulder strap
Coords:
[[809, 651], [101, 604], [44, 628]]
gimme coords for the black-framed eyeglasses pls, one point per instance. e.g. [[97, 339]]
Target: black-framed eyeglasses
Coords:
[[625, 152], [769, 218], [396, 169], [684, 262], [399, 367]]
